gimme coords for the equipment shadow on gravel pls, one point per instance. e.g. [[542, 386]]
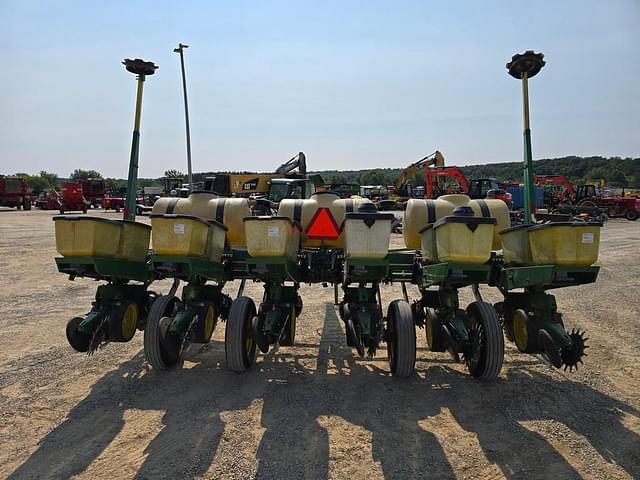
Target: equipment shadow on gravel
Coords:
[[298, 399]]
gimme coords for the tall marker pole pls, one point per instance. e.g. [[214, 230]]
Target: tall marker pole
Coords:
[[141, 69], [180, 50], [523, 67]]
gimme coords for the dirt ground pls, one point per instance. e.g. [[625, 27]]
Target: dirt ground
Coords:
[[313, 410]]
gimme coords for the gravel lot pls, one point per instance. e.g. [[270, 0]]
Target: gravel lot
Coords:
[[313, 410]]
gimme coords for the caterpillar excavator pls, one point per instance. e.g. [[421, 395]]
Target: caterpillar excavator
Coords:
[[403, 190], [255, 184]]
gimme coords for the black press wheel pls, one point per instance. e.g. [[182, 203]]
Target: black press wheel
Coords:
[[239, 346], [401, 340], [486, 347], [206, 323], [631, 215], [79, 341], [433, 330], [26, 204], [123, 322], [160, 347]]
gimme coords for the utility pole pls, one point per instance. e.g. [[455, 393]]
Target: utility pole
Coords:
[[524, 66], [180, 50], [142, 69]]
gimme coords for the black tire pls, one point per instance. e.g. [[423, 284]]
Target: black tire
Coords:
[[239, 346], [123, 322], [26, 204], [433, 332], [206, 323], [159, 350], [631, 215], [401, 341], [488, 363], [79, 341]]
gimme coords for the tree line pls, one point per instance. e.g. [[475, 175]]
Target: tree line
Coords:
[[616, 171]]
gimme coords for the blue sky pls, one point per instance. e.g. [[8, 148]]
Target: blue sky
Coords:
[[352, 84]]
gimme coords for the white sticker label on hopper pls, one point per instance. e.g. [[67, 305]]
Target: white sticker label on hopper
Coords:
[[178, 228], [587, 238], [273, 232]]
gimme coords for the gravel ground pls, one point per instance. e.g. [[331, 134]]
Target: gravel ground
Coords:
[[313, 410]]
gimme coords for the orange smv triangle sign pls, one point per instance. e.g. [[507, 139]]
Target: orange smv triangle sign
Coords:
[[323, 226]]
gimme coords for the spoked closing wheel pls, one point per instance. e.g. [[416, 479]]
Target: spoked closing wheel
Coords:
[[401, 339], [79, 341], [239, 345], [485, 353], [123, 321], [161, 347], [573, 354]]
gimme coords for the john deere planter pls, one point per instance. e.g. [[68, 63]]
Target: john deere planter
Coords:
[[450, 243]]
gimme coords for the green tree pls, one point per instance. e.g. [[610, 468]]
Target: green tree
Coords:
[[79, 174], [35, 183], [50, 178]]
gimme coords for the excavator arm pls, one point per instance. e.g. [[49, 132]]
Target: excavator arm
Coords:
[[299, 162], [436, 158]]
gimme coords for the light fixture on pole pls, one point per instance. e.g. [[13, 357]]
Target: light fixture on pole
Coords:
[[142, 69], [524, 66]]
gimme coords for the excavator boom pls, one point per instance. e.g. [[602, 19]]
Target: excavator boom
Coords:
[[299, 162], [436, 158]]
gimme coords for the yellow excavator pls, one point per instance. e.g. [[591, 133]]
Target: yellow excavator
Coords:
[[403, 190], [252, 184]]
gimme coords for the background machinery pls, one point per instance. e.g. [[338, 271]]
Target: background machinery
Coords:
[[14, 192]]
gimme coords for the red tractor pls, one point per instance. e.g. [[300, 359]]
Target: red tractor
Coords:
[[73, 198], [612, 205], [93, 190], [14, 193], [560, 192]]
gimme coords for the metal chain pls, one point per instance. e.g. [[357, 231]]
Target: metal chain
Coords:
[[95, 340], [276, 346], [186, 334]]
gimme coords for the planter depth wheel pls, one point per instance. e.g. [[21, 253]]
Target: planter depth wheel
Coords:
[[239, 345]]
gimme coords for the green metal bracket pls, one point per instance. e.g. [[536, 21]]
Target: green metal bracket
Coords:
[[455, 274], [104, 268], [547, 276], [273, 268], [182, 320], [187, 268]]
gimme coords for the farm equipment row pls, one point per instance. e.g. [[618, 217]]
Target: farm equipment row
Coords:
[[324, 240], [451, 242]]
